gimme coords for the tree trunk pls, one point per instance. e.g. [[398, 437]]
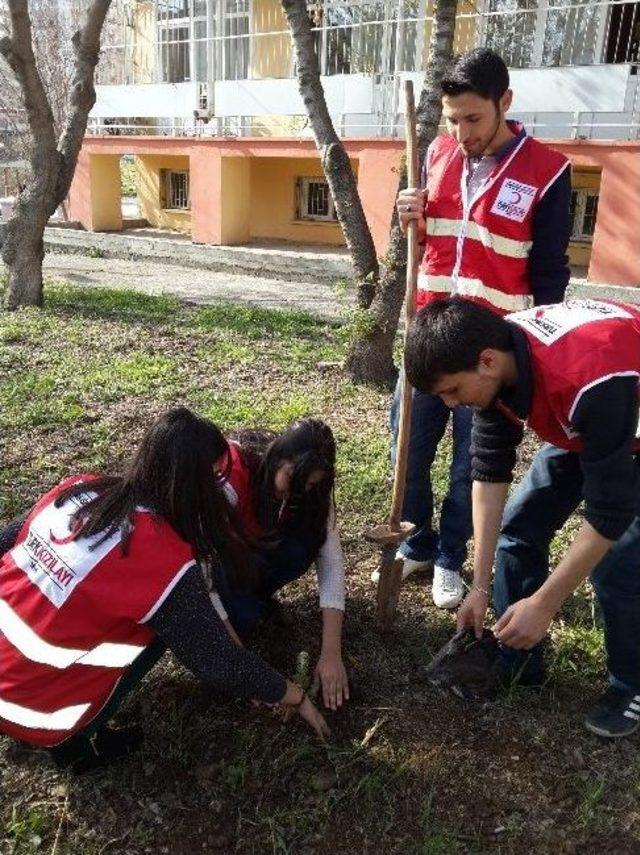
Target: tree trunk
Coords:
[[52, 162], [25, 271], [370, 357], [334, 159]]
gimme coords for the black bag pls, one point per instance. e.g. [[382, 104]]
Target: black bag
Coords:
[[466, 666]]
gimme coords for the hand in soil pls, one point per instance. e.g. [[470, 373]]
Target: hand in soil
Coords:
[[314, 718], [331, 676]]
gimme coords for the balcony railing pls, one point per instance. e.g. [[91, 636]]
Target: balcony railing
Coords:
[[207, 40], [239, 52]]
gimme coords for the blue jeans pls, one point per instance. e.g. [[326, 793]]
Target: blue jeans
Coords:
[[548, 494], [289, 560], [429, 417]]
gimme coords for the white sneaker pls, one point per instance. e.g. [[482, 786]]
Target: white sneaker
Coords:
[[448, 588], [409, 566]]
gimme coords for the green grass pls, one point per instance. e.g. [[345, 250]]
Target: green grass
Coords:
[[127, 177], [407, 770]]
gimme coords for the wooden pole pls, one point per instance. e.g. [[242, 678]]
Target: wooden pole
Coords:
[[391, 535], [404, 428]]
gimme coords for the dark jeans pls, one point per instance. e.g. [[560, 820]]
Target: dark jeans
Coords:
[[289, 560], [429, 419], [548, 494]]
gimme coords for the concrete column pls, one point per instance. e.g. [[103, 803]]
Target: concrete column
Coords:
[[106, 200], [94, 197], [80, 192], [220, 197], [205, 187]]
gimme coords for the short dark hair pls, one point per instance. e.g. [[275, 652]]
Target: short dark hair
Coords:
[[480, 71], [448, 336]]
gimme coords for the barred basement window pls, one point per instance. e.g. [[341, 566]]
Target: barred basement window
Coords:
[[174, 189], [583, 213], [313, 200]]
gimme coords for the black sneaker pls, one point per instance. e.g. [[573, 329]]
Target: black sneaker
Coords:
[[616, 714], [81, 753]]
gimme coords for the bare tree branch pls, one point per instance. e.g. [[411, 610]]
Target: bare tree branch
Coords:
[[86, 45], [17, 49], [334, 159], [52, 164]]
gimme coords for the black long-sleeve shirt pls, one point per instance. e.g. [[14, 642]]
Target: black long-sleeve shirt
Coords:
[[606, 418], [191, 628]]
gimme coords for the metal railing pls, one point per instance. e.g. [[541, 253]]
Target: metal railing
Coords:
[[229, 40], [220, 40]]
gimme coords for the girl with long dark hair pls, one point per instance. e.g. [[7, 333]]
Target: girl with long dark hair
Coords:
[[103, 575], [282, 489]]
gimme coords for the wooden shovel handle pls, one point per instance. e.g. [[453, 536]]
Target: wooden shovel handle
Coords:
[[404, 426]]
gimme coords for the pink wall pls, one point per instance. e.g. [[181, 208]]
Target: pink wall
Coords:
[[615, 254], [615, 257]]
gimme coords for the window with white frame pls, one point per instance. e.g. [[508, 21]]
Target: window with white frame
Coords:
[[583, 213], [313, 200], [367, 36], [203, 40], [236, 42], [174, 189]]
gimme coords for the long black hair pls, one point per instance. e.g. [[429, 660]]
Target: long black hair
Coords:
[[308, 445], [171, 474]]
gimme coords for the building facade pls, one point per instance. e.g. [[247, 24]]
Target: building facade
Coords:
[[217, 76]]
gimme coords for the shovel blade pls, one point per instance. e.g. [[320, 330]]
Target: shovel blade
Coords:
[[389, 587]]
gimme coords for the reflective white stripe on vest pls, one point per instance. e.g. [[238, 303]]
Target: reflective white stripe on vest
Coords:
[[442, 227], [475, 288], [36, 649], [62, 719]]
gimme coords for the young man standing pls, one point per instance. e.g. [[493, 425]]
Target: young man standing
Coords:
[[570, 371], [494, 222]]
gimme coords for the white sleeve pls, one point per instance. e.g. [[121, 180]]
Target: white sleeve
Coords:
[[217, 604], [330, 567]]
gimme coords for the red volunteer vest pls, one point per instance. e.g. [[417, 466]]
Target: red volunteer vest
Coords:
[[238, 490], [479, 248], [574, 346], [72, 618]]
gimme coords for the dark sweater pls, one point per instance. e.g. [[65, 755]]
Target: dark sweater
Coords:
[[606, 418]]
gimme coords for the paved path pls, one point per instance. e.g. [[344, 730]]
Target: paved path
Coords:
[[198, 286]]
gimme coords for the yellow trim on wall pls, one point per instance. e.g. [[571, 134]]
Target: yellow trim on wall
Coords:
[[106, 205], [273, 183], [236, 195], [148, 182], [271, 55]]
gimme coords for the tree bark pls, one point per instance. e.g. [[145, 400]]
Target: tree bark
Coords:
[[52, 162], [334, 159], [370, 357]]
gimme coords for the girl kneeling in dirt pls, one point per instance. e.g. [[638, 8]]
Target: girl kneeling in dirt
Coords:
[[282, 491], [102, 576]]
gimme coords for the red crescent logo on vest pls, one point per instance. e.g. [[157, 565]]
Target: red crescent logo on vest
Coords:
[[60, 541], [516, 197]]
